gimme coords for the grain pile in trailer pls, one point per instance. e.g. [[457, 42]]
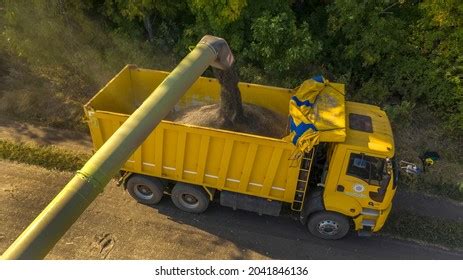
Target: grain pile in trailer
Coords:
[[231, 113]]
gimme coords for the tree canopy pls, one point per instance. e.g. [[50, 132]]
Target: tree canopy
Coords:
[[403, 55]]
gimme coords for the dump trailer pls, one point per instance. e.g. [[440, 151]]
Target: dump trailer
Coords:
[[344, 181]]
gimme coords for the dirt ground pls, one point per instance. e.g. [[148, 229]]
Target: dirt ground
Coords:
[[116, 227], [25, 132]]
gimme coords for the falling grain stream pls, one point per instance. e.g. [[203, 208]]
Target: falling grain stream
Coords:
[[231, 113]]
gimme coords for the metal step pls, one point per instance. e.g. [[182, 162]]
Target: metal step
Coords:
[[370, 212], [368, 223], [364, 233]]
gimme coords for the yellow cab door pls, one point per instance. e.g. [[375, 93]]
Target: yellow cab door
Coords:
[[364, 178]]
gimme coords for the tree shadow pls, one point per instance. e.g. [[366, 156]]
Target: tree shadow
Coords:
[[26, 132]]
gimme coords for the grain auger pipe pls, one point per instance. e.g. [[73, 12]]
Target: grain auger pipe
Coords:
[[50, 225]]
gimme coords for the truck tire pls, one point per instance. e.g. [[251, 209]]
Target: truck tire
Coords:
[[328, 225], [144, 189], [189, 198]]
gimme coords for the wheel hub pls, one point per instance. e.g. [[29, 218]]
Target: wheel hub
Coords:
[[189, 200], [143, 192], [328, 227]]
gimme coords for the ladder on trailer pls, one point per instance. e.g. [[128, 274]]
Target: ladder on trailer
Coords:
[[303, 180]]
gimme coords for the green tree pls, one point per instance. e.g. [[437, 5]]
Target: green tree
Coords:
[[440, 34], [217, 13], [362, 37], [282, 49], [153, 14]]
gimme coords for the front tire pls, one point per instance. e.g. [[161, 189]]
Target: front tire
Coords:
[[144, 189], [190, 198], [328, 225]]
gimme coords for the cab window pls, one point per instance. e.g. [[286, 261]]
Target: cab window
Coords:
[[369, 169]]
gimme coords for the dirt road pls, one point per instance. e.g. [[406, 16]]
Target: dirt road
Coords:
[[116, 227]]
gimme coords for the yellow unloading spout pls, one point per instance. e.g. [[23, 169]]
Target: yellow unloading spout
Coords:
[[50, 225]]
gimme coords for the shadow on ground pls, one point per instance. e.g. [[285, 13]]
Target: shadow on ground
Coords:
[[285, 238], [25, 132]]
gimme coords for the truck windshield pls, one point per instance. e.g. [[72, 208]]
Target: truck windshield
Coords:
[[370, 169]]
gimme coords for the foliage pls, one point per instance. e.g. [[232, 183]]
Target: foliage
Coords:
[[400, 112], [440, 33], [160, 19], [49, 157], [218, 13], [55, 57], [405, 54], [381, 49], [283, 50], [436, 230]]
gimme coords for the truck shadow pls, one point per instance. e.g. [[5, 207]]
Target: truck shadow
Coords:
[[285, 238]]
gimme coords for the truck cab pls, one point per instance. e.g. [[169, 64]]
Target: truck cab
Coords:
[[359, 180]]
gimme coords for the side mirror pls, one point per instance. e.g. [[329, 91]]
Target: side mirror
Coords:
[[389, 167], [387, 177]]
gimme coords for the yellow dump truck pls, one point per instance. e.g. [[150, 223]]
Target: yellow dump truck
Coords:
[[345, 182]]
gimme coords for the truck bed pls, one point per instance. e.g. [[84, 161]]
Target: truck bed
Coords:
[[220, 159]]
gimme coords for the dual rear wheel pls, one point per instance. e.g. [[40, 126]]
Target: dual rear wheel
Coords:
[[190, 198], [149, 190]]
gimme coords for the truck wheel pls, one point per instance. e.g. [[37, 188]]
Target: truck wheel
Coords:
[[144, 189], [189, 198], [328, 225]]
